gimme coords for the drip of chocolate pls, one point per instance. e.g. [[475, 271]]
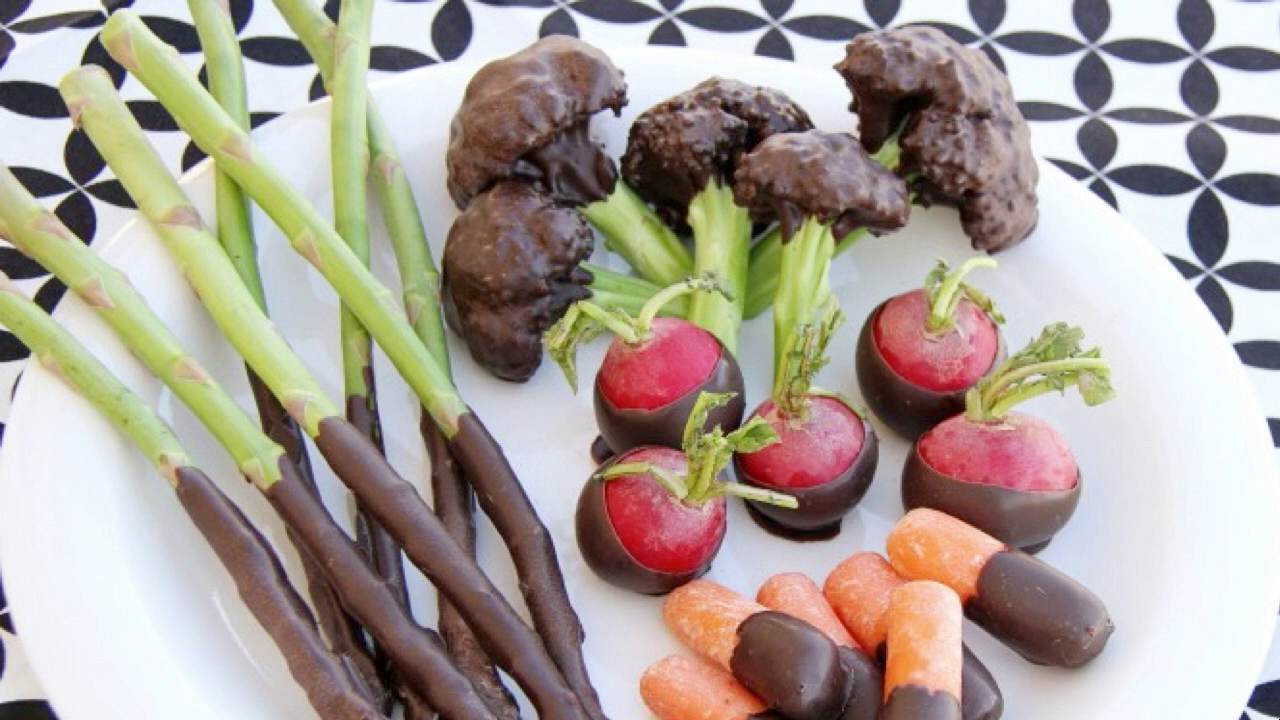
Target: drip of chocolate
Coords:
[[574, 168]]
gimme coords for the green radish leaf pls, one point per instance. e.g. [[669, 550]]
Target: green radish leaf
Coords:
[[702, 408], [754, 435]]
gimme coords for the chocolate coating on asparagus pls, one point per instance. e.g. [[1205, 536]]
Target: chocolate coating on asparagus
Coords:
[[678, 146], [510, 271], [791, 666], [964, 132], [913, 702], [518, 104], [827, 176], [455, 505], [627, 428], [908, 409], [1047, 617], [262, 585], [1026, 519], [503, 499]]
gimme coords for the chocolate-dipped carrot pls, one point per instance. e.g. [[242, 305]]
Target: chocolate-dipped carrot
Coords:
[[235, 233], [452, 497], [253, 566], [922, 661], [792, 666], [859, 590], [1047, 617], [683, 688], [500, 492]]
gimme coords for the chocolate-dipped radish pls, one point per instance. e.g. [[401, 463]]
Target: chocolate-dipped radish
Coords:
[[653, 518], [654, 371], [919, 352], [821, 186], [1034, 609], [1010, 474]]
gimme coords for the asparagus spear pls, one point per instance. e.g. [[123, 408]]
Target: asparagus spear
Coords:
[[501, 495], [418, 653], [94, 103], [235, 233], [259, 578]]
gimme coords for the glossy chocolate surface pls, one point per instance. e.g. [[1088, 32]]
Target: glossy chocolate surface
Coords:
[[1047, 617], [821, 507], [980, 695], [625, 428], [790, 665], [1026, 519], [868, 685], [908, 409], [912, 702]]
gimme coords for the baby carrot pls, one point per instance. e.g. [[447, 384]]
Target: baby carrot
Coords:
[[705, 617], [795, 594], [682, 688], [922, 666]]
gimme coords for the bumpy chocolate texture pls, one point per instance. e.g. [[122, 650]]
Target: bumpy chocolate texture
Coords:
[[524, 102], [679, 145], [510, 271], [964, 132], [823, 175]]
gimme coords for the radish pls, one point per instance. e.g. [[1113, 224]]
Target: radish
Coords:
[[653, 518], [653, 371], [1010, 474], [822, 187], [919, 352]]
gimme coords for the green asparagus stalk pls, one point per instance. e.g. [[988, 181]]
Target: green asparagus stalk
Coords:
[[253, 566], [416, 651], [157, 66], [235, 232], [94, 103]]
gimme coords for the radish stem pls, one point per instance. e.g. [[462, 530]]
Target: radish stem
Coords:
[[1052, 362], [945, 290]]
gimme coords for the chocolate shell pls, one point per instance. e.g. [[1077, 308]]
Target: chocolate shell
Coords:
[[627, 428], [908, 409], [1026, 519], [821, 507], [607, 557]]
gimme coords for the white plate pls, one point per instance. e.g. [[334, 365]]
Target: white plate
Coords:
[[126, 614]]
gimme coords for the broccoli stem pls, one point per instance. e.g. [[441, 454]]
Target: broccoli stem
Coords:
[[631, 229], [721, 240], [762, 271], [942, 311], [628, 293], [803, 288]]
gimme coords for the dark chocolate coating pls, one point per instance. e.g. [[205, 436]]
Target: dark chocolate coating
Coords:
[[912, 702], [1021, 518], [964, 132], [677, 146], [1045, 616], [980, 696], [503, 499], [454, 504], [908, 409], [600, 451], [264, 588], [827, 176], [868, 685], [626, 428], [822, 506], [417, 653], [510, 270], [791, 666], [608, 558], [520, 103], [573, 168], [397, 505]]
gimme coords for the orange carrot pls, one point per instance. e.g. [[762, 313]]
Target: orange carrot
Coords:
[[795, 594], [859, 590], [927, 544], [705, 617], [922, 664], [682, 688]]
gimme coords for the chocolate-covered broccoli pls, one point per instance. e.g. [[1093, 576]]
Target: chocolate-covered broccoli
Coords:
[[681, 156], [526, 116], [964, 138]]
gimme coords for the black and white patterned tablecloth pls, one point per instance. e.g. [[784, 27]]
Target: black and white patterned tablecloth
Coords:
[[1168, 110]]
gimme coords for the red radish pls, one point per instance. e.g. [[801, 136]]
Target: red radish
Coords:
[[1009, 474], [653, 372], [653, 518], [809, 453], [920, 351]]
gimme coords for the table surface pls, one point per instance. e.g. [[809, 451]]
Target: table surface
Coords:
[[1169, 111]]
